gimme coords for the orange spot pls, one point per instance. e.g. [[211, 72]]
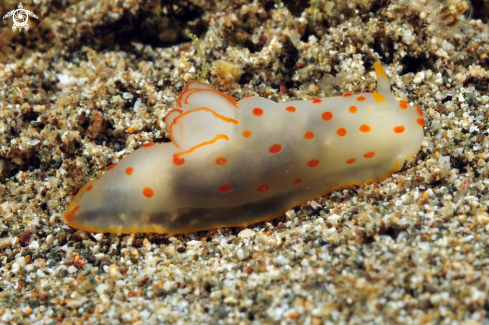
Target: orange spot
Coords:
[[347, 94], [89, 188], [399, 129], [246, 134], [313, 162], [365, 128], [403, 104], [291, 109], [248, 96], [225, 188], [341, 132], [257, 111], [316, 100], [327, 116], [148, 192], [420, 121], [351, 161], [178, 161], [297, 181], [129, 171], [148, 145], [112, 166], [361, 99], [353, 109], [72, 213], [378, 97], [275, 148], [309, 135], [221, 161], [420, 111], [263, 188], [369, 154]]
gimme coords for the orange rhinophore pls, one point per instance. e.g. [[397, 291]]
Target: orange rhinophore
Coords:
[[237, 163]]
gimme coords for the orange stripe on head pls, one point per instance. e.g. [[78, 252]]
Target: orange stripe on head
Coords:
[[203, 85], [188, 93], [205, 143], [171, 137], [182, 94], [229, 98], [207, 109], [190, 83], [222, 117], [176, 110], [219, 116], [187, 86]]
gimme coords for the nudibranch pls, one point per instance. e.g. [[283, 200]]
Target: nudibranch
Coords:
[[236, 163]]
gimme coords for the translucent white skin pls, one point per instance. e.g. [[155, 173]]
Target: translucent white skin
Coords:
[[193, 190]]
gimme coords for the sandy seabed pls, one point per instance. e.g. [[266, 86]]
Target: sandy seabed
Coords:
[[91, 82]]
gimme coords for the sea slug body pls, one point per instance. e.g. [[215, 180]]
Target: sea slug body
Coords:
[[237, 163]]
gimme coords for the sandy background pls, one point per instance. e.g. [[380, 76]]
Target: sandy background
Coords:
[[91, 81]]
